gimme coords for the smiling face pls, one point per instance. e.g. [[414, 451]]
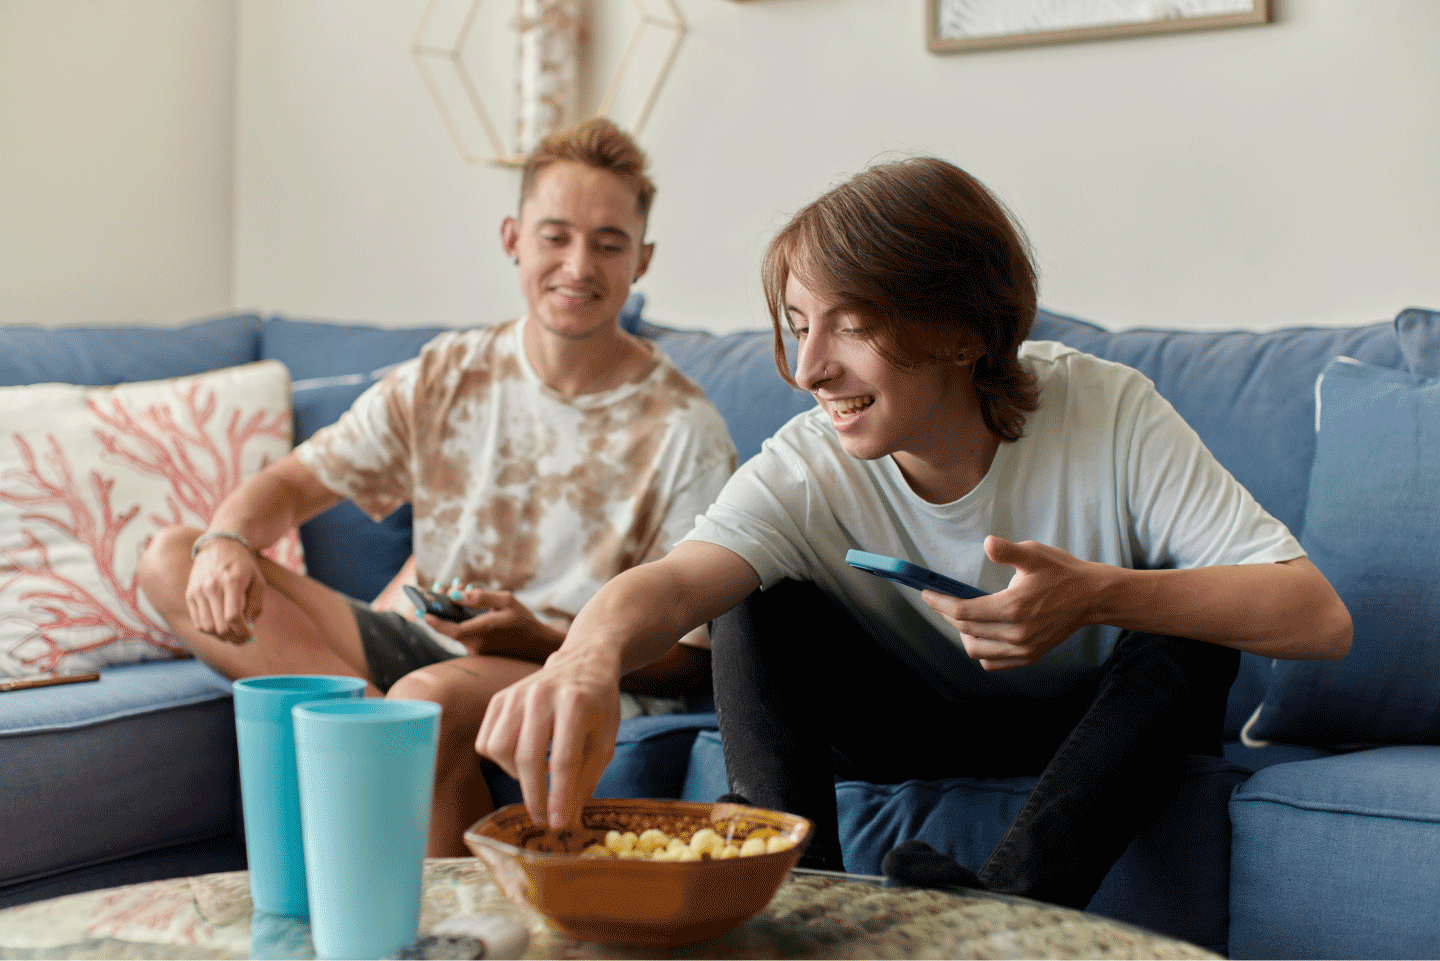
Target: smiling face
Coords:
[[927, 418], [580, 244]]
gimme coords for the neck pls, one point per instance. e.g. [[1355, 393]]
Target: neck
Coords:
[[573, 366], [947, 464], [947, 478]]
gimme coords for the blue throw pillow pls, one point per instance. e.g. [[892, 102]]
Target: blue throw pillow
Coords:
[[1372, 526]]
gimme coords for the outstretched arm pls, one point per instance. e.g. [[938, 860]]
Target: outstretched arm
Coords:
[[569, 710], [1285, 610]]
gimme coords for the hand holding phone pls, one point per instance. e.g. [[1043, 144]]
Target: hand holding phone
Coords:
[[438, 604], [911, 575]]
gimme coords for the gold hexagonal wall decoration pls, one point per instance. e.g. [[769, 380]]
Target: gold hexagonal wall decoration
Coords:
[[458, 51]]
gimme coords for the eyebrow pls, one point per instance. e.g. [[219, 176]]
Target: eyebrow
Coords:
[[609, 229]]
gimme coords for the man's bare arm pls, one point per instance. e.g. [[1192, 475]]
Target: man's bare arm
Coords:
[[561, 721]]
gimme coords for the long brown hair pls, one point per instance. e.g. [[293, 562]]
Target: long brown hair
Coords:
[[924, 253], [596, 143]]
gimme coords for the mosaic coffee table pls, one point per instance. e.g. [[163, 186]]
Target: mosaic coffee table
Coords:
[[814, 915]]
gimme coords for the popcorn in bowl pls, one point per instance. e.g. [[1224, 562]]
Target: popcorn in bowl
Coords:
[[646, 872]]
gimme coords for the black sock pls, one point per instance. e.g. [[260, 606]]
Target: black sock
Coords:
[[918, 865]]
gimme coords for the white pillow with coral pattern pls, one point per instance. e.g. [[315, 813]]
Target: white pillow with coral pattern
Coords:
[[89, 474]]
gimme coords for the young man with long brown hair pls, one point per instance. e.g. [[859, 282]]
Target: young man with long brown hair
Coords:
[[1125, 568]]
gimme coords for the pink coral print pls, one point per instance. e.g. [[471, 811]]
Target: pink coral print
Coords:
[[68, 592]]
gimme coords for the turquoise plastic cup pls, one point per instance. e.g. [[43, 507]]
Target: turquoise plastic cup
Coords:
[[367, 775], [269, 789]]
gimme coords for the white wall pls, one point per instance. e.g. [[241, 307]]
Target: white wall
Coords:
[[1247, 177], [116, 155]]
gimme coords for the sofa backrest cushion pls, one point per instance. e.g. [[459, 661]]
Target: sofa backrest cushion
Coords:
[[98, 356], [1372, 526], [1250, 396], [736, 371]]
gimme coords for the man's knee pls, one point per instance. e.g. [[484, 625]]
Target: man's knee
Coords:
[[439, 683], [164, 567]]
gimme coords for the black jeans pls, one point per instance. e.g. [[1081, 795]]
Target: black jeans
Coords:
[[805, 695]]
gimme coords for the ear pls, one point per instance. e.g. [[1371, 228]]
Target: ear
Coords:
[[510, 237], [646, 252]]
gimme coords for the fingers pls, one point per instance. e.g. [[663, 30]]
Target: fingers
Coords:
[[996, 655], [582, 748], [219, 613], [953, 608], [472, 596], [225, 593], [555, 740], [515, 734]]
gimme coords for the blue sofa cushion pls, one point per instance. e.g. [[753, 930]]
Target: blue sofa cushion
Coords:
[[1372, 526], [651, 755], [140, 760], [97, 356], [1419, 332], [736, 371], [1336, 858], [1250, 396], [1174, 877], [331, 365]]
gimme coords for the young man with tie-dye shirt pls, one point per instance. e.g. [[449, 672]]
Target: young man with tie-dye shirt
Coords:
[[541, 457]]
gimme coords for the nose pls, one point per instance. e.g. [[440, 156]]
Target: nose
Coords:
[[578, 260], [812, 361]]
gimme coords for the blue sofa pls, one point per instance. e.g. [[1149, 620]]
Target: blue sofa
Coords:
[[1318, 835]]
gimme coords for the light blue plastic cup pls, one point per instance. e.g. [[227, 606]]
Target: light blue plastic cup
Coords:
[[269, 790], [367, 774]]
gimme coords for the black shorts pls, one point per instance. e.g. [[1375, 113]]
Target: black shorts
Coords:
[[393, 645]]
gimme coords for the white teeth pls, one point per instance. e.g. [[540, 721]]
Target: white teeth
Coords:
[[851, 404]]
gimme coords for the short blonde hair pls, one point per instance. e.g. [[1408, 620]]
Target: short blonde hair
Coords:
[[596, 143]]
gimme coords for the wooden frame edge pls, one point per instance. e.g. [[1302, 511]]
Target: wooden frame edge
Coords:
[[1261, 14]]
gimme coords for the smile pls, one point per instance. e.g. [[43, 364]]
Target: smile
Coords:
[[574, 293], [849, 405]]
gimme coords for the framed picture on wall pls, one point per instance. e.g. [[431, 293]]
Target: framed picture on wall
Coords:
[[958, 25]]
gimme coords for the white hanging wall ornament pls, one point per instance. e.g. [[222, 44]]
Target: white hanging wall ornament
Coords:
[[546, 68], [466, 50]]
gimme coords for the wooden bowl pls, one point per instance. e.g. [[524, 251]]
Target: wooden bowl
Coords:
[[638, 902]]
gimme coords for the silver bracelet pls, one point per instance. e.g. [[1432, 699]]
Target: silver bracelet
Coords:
[[228, 535]]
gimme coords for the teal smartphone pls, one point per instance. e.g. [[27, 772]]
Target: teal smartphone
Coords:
[[911, 575]]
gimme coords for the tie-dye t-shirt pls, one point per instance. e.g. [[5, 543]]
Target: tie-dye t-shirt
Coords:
[[516, 487]]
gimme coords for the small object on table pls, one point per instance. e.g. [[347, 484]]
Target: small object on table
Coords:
[[438, 947]]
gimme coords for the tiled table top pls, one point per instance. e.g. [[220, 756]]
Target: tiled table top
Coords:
[[814, 915]]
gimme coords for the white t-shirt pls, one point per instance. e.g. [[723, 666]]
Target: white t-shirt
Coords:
[[1106, 470], [516, 487]]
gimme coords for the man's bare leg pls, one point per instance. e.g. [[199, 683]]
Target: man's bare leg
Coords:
[[463, 688], [304, 628]]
